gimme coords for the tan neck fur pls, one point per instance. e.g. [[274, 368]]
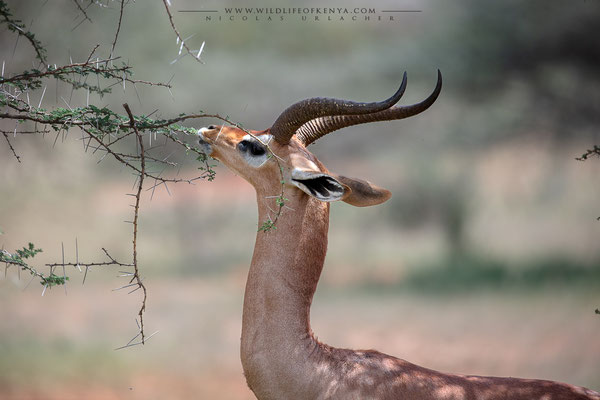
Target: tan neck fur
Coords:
[[281, 358], [283, 277]]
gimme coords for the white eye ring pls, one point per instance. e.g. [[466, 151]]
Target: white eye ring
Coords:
[[256, 160]]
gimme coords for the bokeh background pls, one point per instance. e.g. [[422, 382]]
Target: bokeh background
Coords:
[[485, 261]]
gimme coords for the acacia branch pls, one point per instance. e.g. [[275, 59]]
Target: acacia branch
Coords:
[[136, 275], [11, 147], [78, 264], [595, 151], [101, 128], [17, 26], [180, 38], [99, 68], [45, 118], [82, 10], [20, 259], [114, 43], [65, 69]]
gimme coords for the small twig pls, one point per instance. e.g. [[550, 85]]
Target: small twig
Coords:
[[87, 60], [595, 151], [82, 10], [114, 43], [92, 264], [11, 147]]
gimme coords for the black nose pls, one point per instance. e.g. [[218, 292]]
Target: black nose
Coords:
[[212, 127]]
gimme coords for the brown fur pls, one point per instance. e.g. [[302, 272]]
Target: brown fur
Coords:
[[280, 355]]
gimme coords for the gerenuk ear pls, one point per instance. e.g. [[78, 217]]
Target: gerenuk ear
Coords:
[[319, 185], [363, 193]]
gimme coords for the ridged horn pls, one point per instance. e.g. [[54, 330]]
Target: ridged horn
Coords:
[[318, 127], [304, 111]]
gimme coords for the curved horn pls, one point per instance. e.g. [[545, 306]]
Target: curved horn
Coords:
[[304, 111], [321, 126]]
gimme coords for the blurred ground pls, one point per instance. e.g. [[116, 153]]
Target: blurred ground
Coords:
[[485, 260], [63, 348]]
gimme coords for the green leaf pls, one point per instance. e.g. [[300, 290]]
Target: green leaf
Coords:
[[54, 280], [267, 226]]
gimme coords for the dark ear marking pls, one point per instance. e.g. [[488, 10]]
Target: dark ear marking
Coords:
[[322, 187]]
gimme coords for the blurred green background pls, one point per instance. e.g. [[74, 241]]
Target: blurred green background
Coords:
[[485, 260]]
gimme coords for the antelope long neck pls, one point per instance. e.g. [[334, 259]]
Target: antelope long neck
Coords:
[[283, 360], [286, 265]]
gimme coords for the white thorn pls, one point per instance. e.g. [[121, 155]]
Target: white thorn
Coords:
[[200, 51], [42, 98], [63, 99]]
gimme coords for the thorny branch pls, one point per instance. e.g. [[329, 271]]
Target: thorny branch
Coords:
[[180, 40], [86, 17], [104, 128], [17, 26], [111, 261], [101, 129], [114, 43], [595, 151], [97, 67], [136, 275], [18, 258], [11, 147]]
